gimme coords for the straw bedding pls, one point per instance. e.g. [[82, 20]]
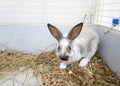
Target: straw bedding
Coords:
[[97, 72]]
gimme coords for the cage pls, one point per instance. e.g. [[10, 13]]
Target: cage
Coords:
[[24, 35]]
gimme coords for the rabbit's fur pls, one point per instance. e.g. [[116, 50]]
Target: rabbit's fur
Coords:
[[80, 44]]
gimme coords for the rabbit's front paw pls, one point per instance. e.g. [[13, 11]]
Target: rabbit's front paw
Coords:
[[62, 65], [84, 62]]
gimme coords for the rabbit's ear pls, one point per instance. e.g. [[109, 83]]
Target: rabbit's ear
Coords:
[[55, 32], [75, 31]]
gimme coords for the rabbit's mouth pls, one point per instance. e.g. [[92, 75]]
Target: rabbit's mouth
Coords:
[[64, 58]]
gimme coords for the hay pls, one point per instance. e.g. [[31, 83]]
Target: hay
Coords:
[[97, 72]]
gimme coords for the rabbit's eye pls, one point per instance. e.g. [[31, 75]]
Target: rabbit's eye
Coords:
[[59, 48], [69, 48]]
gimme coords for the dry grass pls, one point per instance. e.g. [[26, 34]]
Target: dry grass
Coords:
[[97, 72]]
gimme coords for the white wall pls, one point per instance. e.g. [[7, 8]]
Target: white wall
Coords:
[[27, 38], [109, 47]]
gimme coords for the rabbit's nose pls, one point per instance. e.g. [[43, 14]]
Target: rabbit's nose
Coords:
[[64, 58]]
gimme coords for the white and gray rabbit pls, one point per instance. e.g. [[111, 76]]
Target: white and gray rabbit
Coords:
[[80, 44]]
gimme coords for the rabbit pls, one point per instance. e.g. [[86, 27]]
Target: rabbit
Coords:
[[80, 44]]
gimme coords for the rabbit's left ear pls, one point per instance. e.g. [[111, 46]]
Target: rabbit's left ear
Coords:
[[75, 31], [55, 32]]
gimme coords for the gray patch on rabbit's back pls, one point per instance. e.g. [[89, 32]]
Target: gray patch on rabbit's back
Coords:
[[89, 46], [82, 50]]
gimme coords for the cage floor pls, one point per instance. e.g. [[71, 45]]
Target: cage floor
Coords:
[[27, 69], [25, 78]]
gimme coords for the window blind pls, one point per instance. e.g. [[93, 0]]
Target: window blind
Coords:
[[36, 12], [106, 11], [20, 12]]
